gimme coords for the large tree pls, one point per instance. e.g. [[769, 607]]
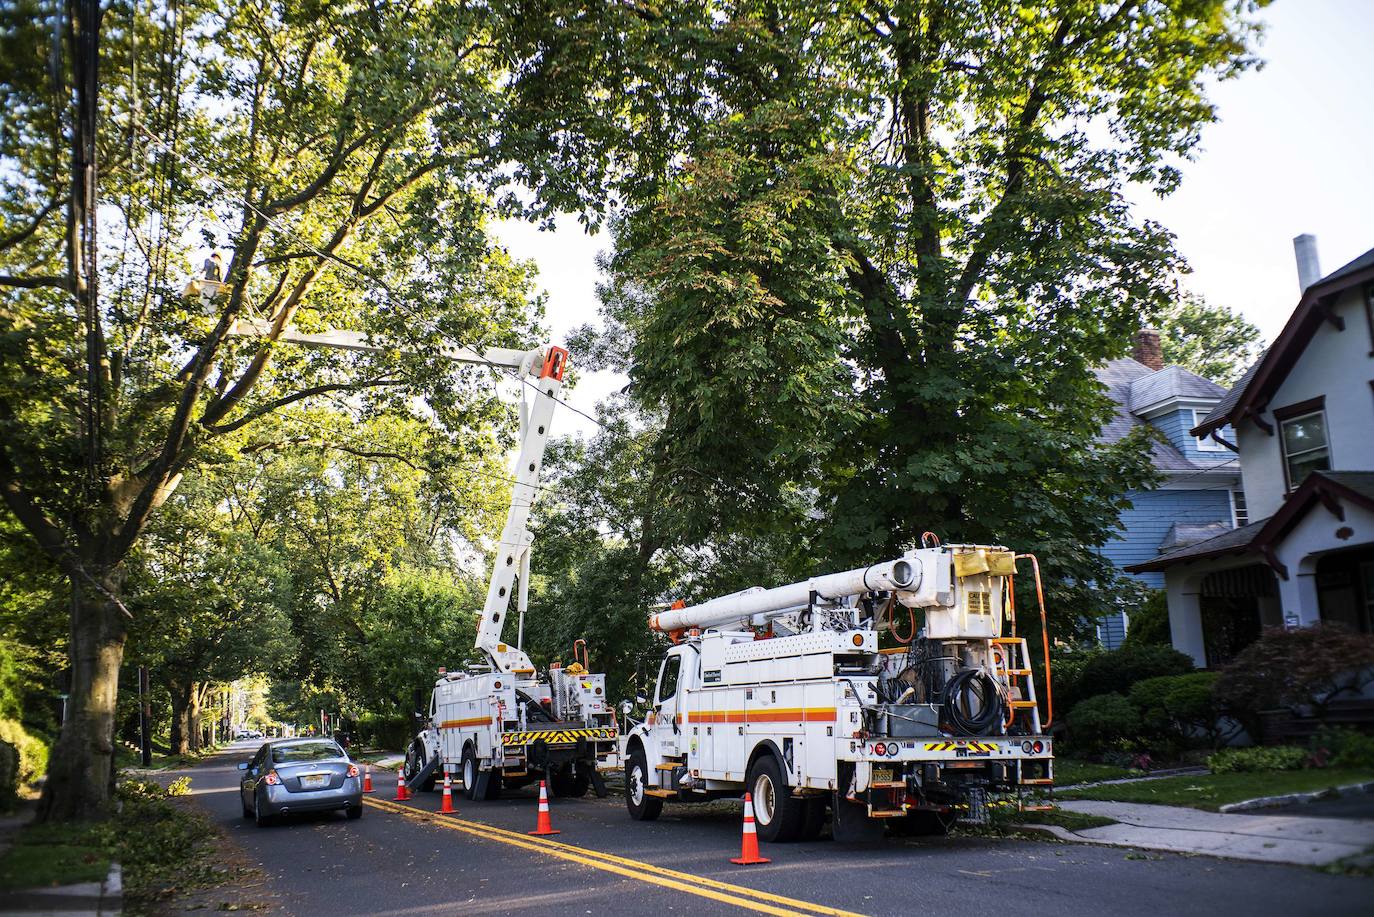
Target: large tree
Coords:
[[892, 252], [345, 155]]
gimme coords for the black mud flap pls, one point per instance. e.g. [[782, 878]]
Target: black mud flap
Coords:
[[598, 781], [850, 824], [484, 778], [423, 774]]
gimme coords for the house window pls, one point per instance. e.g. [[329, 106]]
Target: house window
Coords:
[[1240, 514], [1206, 443], [1369, 315], [1305, 448]]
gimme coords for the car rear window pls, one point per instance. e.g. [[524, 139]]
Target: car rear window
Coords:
[[306, 751]]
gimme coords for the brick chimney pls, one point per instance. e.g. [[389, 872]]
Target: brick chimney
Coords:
[[1147, 348]]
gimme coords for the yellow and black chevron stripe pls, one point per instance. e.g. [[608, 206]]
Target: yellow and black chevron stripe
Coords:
[[557, 736], [956, 746]]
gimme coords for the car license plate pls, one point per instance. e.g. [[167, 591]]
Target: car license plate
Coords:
[[314, 781]]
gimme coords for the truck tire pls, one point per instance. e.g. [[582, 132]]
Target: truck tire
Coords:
[[569, 782], [642, 806], [777, 815], [469, 772]]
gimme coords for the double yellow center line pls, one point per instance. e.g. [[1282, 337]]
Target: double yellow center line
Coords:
[[724, 892]]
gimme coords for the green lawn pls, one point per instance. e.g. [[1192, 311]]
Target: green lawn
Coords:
[[1068, 771], [1074, 821], [35, 865], [1211, 791]]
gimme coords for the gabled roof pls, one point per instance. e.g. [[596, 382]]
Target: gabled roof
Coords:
[[1119, 377], [1170, 383], [1252, 393], [1326, 487]]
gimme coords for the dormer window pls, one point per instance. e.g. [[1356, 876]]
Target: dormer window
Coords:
[[1302, 432], [1206, 443]]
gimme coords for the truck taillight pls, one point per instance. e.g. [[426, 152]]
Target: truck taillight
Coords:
[[1038, 747], [879, 748], [1027, 747]]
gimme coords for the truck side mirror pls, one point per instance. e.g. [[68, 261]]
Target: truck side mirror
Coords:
[[641, 699], [626, 707]]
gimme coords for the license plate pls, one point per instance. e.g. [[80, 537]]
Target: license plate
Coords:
[[314, 781]]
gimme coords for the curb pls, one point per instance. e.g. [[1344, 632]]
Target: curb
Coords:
[[1264, 802]]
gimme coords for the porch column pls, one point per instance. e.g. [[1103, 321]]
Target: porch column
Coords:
[[1185, 615], [1298, 594]]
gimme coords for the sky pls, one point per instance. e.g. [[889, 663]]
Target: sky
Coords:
[[1291, 153]]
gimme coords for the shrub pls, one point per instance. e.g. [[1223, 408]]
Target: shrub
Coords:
[[1115, 672], [1251, 760], [1182, 708], [1343, 748], [33, 751], [389, 732], [1304, 667], [1104, 723], [1150, 622]]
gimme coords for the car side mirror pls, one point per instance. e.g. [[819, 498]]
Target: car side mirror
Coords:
[[243, 765]]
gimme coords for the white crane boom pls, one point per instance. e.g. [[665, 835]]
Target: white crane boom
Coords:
[[546, 365], [901, 575]]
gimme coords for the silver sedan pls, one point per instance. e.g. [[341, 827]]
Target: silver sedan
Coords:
[[299, 775]]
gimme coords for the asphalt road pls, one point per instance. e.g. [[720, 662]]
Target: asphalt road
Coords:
[[405, 861]]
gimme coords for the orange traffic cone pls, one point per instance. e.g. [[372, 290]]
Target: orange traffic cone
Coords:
[[749, 849], [447, 807], [367, 778], [402, 791], [545, 824]]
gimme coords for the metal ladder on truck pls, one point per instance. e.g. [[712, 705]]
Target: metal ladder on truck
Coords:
[[1011, 664]]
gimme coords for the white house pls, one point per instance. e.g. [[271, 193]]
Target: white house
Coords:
[[1303, 422]]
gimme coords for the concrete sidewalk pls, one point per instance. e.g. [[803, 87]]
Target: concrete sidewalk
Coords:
[[1263, 838]]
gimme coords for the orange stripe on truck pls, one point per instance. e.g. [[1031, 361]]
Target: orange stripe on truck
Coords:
[[474, 721], [784, 715]]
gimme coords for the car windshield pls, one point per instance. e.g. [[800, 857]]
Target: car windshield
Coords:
[[305, 751]]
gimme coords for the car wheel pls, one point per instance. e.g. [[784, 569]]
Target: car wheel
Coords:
[[777, 815], [262, 820], [642, 806], [354, 812]]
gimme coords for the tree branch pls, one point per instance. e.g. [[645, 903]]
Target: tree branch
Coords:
[[34, 283], [15, 238], [278, 403]]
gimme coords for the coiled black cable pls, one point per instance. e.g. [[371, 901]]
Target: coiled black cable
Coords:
[[963, 688]]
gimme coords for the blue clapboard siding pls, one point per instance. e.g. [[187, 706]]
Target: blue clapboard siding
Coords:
[[1150, 517], [1111, 630], [1176, 424]]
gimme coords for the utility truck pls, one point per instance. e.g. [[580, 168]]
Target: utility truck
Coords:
[[784, 693], [500, 723]]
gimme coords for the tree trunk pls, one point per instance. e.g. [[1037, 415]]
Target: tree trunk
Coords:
[[181, 716], [81, 768], [193, 717]]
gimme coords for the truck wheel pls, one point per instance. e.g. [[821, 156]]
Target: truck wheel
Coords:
[[569, 782], [777, 816], [642, 806], [469, 773]]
